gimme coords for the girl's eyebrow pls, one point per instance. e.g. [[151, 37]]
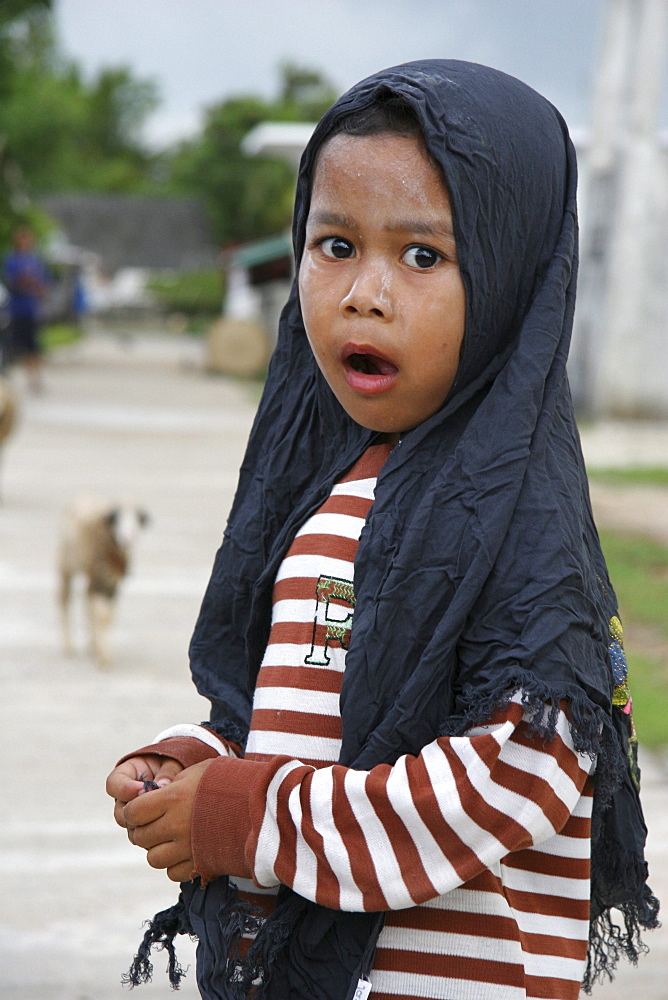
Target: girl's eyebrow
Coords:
[[323, 218], [442, 228]]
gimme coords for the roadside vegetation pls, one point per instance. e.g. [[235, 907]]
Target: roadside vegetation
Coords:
[[195, 295], [55, 335], [639, 569], [637, 475]]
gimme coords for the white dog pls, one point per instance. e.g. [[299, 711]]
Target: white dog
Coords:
[[97, 541]]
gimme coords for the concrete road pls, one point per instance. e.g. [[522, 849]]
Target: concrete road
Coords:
[[118, 418], [124, 417]]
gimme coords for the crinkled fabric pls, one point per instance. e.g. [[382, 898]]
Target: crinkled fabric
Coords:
[[479, 570]]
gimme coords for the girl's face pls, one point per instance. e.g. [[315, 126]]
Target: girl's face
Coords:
[[381, 294]]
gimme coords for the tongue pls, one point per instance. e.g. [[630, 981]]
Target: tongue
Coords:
[[384, 367], [374, 365]]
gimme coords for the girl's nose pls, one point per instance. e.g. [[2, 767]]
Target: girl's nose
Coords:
[[369, 293]]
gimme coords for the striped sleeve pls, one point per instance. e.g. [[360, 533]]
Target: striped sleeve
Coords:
[[186, 730], [188, 744], [397, 836]]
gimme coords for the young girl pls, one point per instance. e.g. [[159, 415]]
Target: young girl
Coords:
[[409, 628]]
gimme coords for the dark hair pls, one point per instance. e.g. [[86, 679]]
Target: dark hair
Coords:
[[391, 114], [387, 115]]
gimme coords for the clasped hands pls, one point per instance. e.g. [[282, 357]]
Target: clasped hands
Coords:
[[159, 821]]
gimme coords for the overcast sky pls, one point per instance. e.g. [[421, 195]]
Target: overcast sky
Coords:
[[200, 52]]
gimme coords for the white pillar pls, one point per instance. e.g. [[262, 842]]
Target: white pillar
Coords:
[[618, 334], [602, 160], [635, 346]]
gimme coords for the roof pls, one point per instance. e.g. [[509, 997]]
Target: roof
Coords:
[[282, 139], [262, 251], [135, 231]]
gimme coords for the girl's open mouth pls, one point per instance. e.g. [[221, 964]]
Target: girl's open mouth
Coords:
[[371, 364], [367, 371]]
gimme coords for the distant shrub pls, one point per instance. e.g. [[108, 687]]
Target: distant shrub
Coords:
[[59, 334], [193, 293]]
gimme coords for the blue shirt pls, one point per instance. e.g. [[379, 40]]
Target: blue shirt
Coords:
[[21, 271]]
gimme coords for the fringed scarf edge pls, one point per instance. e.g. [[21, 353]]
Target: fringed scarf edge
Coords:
[[160, 934], [609, 941], [623, 872]]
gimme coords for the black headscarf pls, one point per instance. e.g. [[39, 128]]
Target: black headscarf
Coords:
[[479, 570]]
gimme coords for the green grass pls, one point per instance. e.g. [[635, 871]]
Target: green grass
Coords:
[[634, 475], [639, 571], [650, 701], [59, 334]]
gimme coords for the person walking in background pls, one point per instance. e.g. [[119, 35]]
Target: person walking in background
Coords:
[[25, 278]]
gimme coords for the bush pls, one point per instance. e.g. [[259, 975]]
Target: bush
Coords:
[[194, 293], [58, 335]]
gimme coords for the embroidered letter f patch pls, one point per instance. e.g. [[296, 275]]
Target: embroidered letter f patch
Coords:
[[332, 618]]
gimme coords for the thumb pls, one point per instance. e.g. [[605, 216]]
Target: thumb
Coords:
[[167, 771]]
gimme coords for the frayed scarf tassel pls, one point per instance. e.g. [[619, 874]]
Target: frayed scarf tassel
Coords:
[[254, 973], [267, 970], [161, 933], [237, 918], [622, 876], [542, 704], [609, 942]]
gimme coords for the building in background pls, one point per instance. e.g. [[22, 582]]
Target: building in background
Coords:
[[619, 360], [118, 241]]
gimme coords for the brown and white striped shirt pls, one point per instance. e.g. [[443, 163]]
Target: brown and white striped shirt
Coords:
[[478, 848]]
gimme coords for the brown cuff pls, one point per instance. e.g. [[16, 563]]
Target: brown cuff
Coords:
[[221, 821], [186, 749]]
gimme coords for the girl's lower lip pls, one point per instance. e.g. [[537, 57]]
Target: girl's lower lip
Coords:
[[370, 385]]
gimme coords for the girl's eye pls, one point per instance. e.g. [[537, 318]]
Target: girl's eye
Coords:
[[422, 257], [335, 246]]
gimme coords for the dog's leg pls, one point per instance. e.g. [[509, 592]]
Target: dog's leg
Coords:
[[64, 596], [100, 609]]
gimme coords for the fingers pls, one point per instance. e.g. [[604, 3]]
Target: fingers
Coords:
[[184, 872], [159, 816], [123, 785], [160, 820], [167, 770], [119, 814], [127, 778], [123, 782], [172, 857], [145, 809], [165, 848], [126, 781]]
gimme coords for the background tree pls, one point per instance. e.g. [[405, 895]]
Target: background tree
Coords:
[[58, 132], [67, 134], [11, 201], [247, 196]]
